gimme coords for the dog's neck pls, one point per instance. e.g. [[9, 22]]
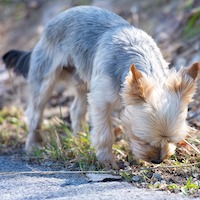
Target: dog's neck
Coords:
[[157, 70], [150, 63]]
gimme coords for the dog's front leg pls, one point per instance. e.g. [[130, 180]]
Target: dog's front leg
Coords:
[[102, 136]]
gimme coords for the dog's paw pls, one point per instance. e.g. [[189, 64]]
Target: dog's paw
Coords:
[[30, 148], [106, 158], [110, 164], [33, 144]]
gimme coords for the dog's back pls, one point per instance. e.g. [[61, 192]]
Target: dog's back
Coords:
[[89, 36], [75, 34]]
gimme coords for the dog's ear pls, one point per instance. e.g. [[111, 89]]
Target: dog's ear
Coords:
[[193, 71], [186, 86], [136, 75], [136, 88], [189, 82]]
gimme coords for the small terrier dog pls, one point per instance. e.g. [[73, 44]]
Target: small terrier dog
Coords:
[[97, 51]]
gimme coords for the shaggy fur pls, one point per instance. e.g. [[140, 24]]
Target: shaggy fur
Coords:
[[97, 51]]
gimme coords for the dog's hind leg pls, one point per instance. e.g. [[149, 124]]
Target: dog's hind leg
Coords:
[[79, 108], [37, 101], [44, 71], [78, 89]]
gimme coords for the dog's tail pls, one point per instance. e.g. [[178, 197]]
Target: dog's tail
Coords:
[[19, 61]]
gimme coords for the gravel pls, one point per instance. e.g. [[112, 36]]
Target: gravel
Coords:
[[23, 185]]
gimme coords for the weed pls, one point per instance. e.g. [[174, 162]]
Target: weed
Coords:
[[192, 27]]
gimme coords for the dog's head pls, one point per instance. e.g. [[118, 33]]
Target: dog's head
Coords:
[[155, 113]]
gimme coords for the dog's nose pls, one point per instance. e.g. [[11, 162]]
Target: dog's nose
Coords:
[[156, 161]]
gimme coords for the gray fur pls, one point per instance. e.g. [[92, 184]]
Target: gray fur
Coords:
[[82, 34], [75, 34]]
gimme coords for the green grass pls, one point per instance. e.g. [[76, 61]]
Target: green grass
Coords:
[[188, 189], [74, 152]]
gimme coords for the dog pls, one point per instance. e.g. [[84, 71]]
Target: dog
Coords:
[[108, 63]]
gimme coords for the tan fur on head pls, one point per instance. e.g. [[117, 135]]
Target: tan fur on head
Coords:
[[155, 113], [138, 87], [184, 83]]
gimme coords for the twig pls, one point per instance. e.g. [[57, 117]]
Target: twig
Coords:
[[171, 166], [192, 146], [193, 138]]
